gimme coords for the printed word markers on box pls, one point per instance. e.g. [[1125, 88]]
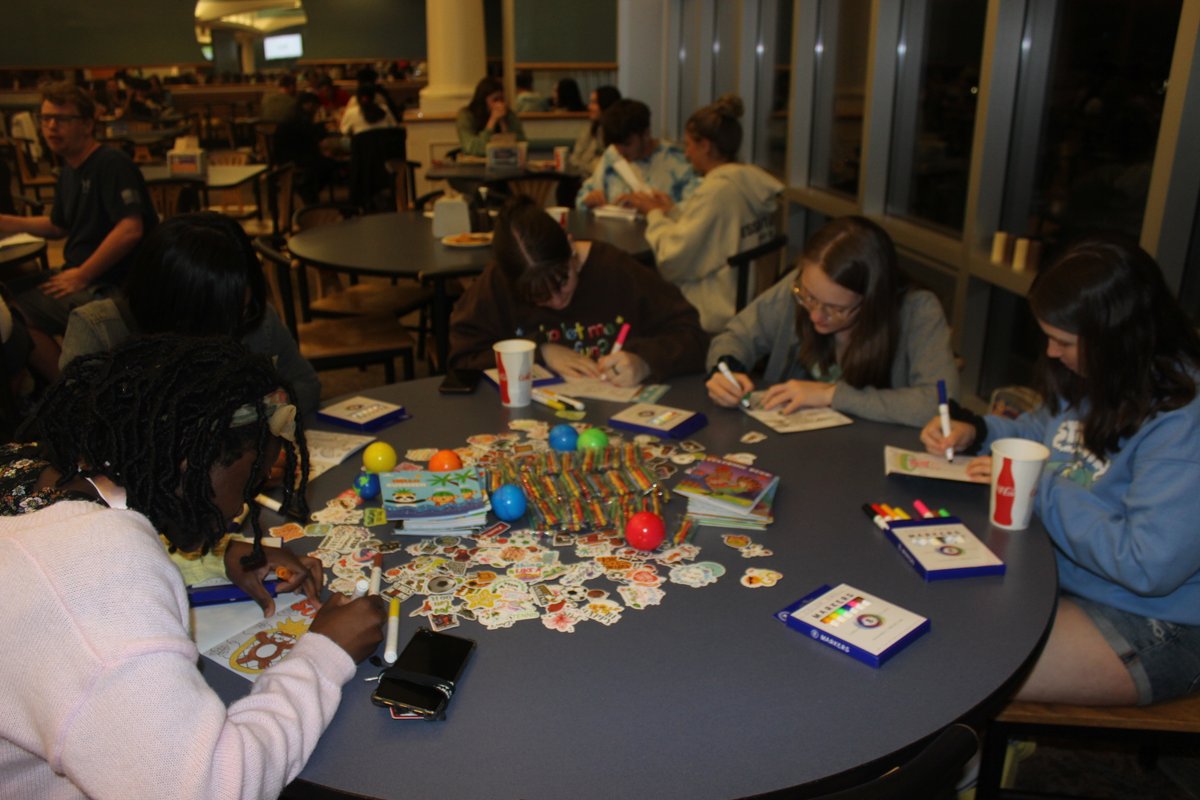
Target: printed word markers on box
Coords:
[[858, 624], [658, 420], [942, 547], [363, 413]]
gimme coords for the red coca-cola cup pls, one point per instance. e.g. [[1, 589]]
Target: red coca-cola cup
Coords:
[[1016, 469]]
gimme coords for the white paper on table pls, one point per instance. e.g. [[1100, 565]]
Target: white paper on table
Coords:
[[597, 389], [897, 460], [803, 419], [327, 449], [232, 632], [629, 173], [616, 212], [20, 238]]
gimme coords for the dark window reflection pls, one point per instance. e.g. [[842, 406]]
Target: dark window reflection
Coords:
[[1102, 108]]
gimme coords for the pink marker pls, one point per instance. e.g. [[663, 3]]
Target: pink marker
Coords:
[[620, 343], [922, 509]]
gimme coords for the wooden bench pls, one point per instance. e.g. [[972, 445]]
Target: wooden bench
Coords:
[[1176, 721]]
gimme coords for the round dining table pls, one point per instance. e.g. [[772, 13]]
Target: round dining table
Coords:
[[708, 694], [402, 245]]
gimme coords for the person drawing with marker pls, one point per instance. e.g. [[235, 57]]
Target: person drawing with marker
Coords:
[[1118, 495], [573, 298], [167, 435], [843, 330]]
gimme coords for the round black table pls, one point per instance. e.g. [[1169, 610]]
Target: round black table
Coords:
[[706, 695], [401, 244]]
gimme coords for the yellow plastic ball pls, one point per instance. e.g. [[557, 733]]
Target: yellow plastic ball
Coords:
[[379, 457]]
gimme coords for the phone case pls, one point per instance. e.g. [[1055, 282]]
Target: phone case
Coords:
[[425, 676]]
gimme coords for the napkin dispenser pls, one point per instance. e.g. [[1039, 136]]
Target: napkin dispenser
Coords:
[[451, 215]]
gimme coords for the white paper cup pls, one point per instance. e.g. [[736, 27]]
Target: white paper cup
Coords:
[[514, 361], [1016, 469], [559, 213]]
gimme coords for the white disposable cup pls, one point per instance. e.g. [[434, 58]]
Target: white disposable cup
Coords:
[[560, 158], [559, 213], [514, 361], [1011, 506]]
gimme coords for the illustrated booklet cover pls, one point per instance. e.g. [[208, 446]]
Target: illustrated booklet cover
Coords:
[[718, 486], [434, 499]]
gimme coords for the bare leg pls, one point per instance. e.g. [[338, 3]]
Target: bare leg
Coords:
[[1078, 666]]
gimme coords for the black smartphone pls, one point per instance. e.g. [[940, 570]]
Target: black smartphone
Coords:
[[460, 381], [424, 677]]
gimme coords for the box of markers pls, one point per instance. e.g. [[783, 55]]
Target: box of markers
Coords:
[[363, 414], [853, 622], [675, 423], [942, 547]]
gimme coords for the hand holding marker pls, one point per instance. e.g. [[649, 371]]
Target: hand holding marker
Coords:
[[724, 369], [619, 345], [944, 413]]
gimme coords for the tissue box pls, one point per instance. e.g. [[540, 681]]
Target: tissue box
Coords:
[[506, 155], [191, 163]]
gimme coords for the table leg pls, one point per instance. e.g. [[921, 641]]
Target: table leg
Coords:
[[441, 324]]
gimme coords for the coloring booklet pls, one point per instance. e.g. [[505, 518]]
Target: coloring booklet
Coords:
[[432, 495]]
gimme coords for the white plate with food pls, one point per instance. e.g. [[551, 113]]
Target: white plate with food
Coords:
[[468, 240]]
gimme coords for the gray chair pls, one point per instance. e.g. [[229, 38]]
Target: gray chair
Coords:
[[743, 261]]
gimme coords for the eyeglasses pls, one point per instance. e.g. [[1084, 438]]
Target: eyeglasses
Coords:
[[833, 313], [58, 119]]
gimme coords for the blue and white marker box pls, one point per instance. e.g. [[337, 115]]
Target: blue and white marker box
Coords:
[[853, 622], [363, 414], [942, 547], [651, 418]]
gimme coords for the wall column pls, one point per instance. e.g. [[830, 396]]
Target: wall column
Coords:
[[457, 53]]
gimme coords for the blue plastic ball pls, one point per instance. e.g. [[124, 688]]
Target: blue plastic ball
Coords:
[[563, 438], [508, 503], [367, 485]]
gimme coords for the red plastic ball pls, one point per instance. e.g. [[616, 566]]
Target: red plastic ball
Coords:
[[645, 530], [445, 461]]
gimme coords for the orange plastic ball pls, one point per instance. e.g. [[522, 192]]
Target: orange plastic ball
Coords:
[[445, 461]]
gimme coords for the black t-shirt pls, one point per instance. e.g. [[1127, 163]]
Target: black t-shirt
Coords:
[[90, 200]]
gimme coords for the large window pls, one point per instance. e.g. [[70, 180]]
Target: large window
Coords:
[[840, 97], [1093, 82], [937, 90]]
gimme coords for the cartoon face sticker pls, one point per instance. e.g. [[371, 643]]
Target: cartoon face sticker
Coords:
[[404, 497]]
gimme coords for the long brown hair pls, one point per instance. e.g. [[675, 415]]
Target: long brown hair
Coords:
[[480, 113], [1138, 352], [858, 255]]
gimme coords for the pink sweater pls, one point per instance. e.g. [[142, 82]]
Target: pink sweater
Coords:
[[101, 694]]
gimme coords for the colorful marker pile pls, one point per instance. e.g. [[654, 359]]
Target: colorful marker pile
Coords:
[[577, 491]]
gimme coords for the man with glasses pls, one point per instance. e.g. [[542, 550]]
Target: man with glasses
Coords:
[[102, 208]]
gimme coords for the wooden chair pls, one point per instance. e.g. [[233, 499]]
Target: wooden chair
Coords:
[[237, 202], [338, 343], [28, 177], [359, 299], [280, 201], [371, 186], [543, 188], [764, 274], [1150, 727], [264, 142]]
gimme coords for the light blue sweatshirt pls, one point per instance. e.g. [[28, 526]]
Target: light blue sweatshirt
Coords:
[[1126, 529]]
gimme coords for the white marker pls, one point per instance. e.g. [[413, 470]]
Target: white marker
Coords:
[[393, 631], [360, 588], [744, 402]]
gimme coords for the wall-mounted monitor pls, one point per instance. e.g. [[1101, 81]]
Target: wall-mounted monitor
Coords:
[[285, 45]]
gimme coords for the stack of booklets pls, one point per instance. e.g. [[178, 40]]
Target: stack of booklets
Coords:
[[434, 503], [727, 494]]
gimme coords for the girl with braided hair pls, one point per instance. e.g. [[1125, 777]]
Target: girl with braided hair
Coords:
[[167, 435]]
